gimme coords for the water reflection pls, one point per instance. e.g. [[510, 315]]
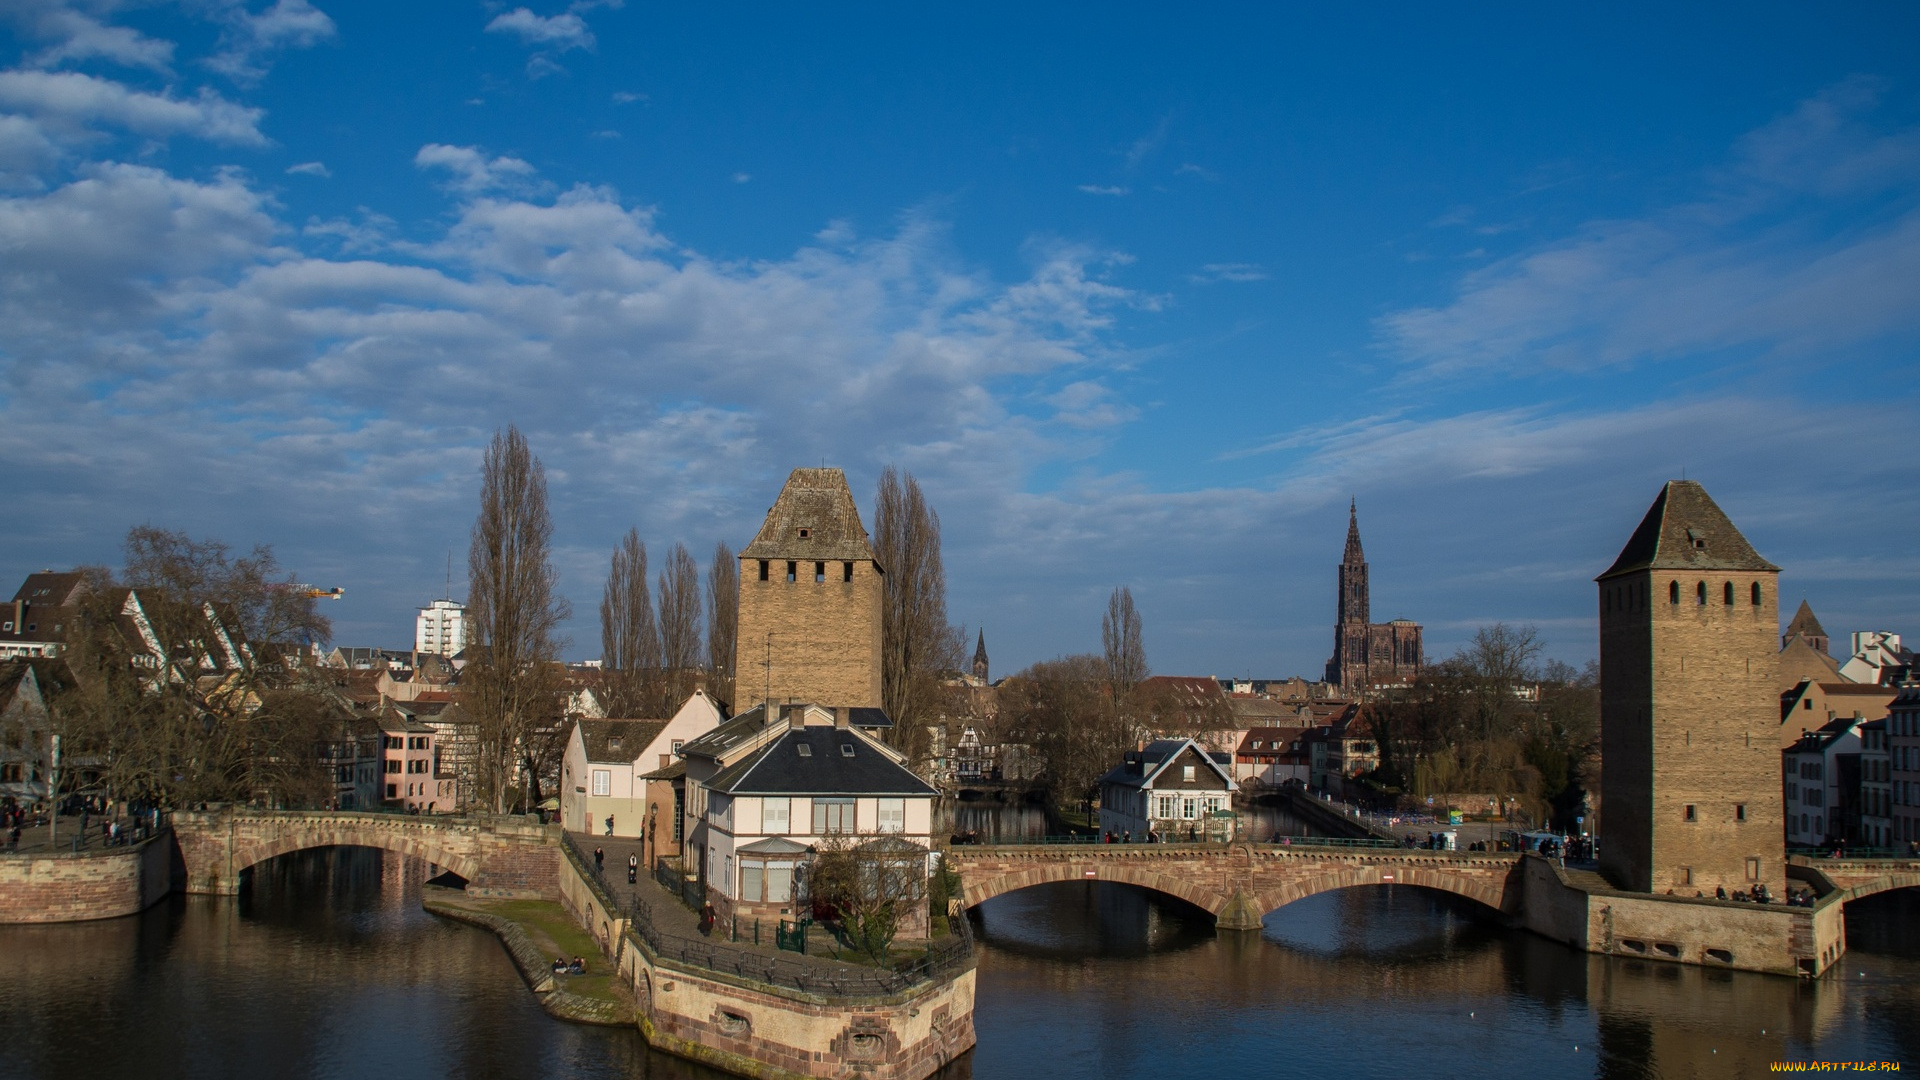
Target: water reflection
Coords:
[[1111, 981]]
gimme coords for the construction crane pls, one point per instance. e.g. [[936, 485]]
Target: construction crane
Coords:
[[311, 592]]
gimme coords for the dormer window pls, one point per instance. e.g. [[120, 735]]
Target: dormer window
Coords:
[[613, 744], [1699, 542], [804, 533]]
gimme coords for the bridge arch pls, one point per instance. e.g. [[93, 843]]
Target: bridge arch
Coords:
[[1490, 894], [1047, 872], [1897, 880], [248, 855]]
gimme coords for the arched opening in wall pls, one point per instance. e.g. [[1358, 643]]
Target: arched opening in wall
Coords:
[[1673, 592], [340, 878], [1089, 919], [1729, 594], [1700, 592], [1756, 594], [1400, 922], [1885, 924]]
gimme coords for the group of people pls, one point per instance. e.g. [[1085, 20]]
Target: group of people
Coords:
[[563, 966]]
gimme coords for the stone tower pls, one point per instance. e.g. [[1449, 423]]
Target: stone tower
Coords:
[[980, 658], [1690, 706], [810, 595], [1808, 629]]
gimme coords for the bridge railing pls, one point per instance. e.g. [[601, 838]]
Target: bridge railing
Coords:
[[1844, 854], [1279, 841]]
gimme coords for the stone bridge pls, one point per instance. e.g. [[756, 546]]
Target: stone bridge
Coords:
[[498, 856], [1855, 878], [1239, 883]]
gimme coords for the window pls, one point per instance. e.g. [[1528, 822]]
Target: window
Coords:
[[846, 571], [804, 533], [1729, 594], [893, 815], [792, 571], [679, 813], [393, 791], [603, 782], [1186, 773], [1673, 592], [1740, 812], [763, 569], [832, 816], [676, 746], [393, 766], [1691, 815], [751, 874], [819, 573], [1700, 592], [1256, 744], [1756, 594], [804, 749], [1686, 875], [774, 815], [846, 749]]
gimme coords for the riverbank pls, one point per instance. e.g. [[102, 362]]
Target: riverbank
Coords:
[[534, 932]]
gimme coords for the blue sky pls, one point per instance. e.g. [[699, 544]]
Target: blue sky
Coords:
[[1141, 298]]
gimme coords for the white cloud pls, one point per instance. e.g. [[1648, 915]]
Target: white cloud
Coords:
[[73, 102], [741, 178], [1097, 189], [309, 168], [472, 171], [249, 37], [563, 31], [625, 97], [76, 36], [1238, 272], [1754, 265]]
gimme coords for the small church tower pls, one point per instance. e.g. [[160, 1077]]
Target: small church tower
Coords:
[[810, 597], [1689, 706], [980, 659]]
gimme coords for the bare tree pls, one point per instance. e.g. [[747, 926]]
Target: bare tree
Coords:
[[917, 645], [515, 613], [1126, 654], [1062, 709], [723, 619], [680, 639], [178, 576], [629, 638]]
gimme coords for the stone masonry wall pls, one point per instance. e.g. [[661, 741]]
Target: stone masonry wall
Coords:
[[76, 887], [825, 640], [497, 856]]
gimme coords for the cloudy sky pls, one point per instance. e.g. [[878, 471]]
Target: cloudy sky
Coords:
[[1141, 299]]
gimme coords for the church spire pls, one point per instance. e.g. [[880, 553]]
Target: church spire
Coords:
[[980, 657], [1354, 555]]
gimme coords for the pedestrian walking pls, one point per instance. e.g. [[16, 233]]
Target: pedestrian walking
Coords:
[[599, 860], [633, 868], [609, 824]]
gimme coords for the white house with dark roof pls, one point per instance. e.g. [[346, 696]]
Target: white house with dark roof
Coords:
[[603, 772], [763, 793], [1171, 788]]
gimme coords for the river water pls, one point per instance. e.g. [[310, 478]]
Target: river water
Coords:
[[328, 968]]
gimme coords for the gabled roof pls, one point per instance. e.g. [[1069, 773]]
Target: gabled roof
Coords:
[[618, 742], [772, 845], [1140, 767], [51, 588], [818, 761], [674, 771], [727, 736], [1686, 530], [818, 503]]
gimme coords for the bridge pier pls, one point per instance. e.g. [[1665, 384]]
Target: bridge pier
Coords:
[[1241, 913]]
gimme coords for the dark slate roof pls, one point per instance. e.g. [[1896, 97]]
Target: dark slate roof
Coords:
[[672, 772], [1804, 623], [780, 768], [1686, 530], [51, 588], [819, 502], [726, 736], [632, 736], [1141, 766], [772, 845]]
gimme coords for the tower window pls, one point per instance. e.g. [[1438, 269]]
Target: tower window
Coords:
[[1756, 594], [846, 571], [792, 571], [1691, 814], [1700, 592], [819, 572], [1673, 592], [1729, 594], [1740, 811], [763, 569], [804, 533], [1753, 869]]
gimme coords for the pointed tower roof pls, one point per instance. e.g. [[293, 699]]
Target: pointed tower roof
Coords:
[[980, 650], [814, 518], [1686, 530], [1804, 624], [1354, 554]]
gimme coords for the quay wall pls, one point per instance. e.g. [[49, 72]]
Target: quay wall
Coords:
[[767, 1031], [1328, 816], [85, 885], [1770, 938]]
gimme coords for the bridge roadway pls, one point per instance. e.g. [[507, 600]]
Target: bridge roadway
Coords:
[[1240, 883]]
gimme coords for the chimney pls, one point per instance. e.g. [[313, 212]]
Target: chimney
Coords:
[[20, 617], [842, 715], [796, 716]]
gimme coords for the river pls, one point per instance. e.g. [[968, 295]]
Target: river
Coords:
[[327, 967]]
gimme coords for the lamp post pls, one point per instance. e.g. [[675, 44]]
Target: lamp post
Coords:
[[53, 795]]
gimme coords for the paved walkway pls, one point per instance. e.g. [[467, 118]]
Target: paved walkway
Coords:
[[34, 839]]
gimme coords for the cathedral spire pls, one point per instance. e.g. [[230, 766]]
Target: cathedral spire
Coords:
[[1354, 554], [980, 657]]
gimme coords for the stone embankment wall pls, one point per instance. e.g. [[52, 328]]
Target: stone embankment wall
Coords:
[[771, 1032], [1770, 938], [1329, 817], [79, 886]]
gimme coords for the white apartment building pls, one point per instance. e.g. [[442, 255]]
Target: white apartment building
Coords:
[[441, 628]]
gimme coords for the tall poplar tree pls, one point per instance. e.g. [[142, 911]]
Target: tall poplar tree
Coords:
[[916, 642], [723, 619], [681, 654], [629, 637], [515, 612]]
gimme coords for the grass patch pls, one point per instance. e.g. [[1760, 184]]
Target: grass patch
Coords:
[[555, 932]]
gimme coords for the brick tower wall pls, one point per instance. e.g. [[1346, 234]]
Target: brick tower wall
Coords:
[[1689, 708], [826, 634]]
